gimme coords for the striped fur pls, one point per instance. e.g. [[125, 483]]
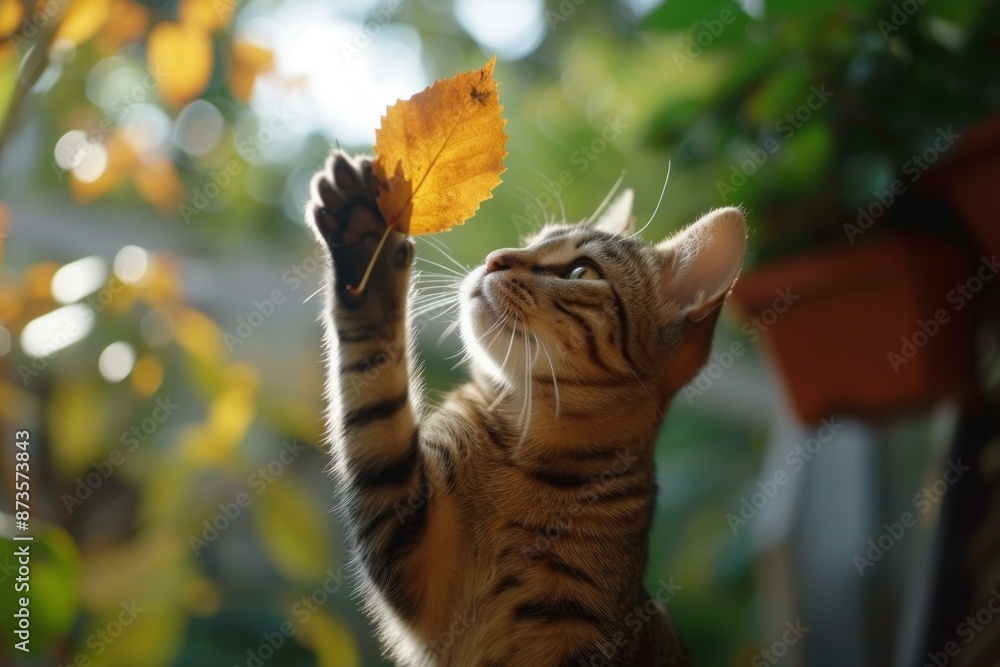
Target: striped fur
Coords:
[[510, 525]]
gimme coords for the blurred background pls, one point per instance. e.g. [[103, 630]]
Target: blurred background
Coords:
[[828, 483]]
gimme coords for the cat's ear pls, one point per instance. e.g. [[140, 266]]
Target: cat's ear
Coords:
[[617, 217], [702, 262]]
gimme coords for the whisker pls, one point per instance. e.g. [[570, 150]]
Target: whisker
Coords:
[[546, 215], [526, 404], [428, 275], [651, 400], [428, 299], [441, 266], [496, 325], [439, 282], [450, 329], [465, 357], [527, 208], [314, 293], [658, 202], [499, 398], [600, 209], [423, 310], [513, 333], [555, 383], [503, 366], [443, 249], [440, 306], [556, 195], [437, 290]]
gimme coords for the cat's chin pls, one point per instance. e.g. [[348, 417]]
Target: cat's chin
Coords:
[[494, 346]]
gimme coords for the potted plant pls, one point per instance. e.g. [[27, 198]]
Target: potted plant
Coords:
[[830, 125]]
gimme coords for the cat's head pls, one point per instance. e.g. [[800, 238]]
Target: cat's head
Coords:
[[592, 302]]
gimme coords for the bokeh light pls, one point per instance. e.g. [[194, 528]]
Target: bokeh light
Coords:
[[57, 330], [77, 279], [116, 361]]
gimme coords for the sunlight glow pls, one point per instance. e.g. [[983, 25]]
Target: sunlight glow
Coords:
[[46, 335], [71, 148], [199, 128], [366, 65], [147, 128], [116, 361], [77, 279], [131, 263], [156, 327], [513, 29], [93, 161]]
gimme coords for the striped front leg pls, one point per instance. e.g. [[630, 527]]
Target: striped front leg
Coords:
[[396, 507]]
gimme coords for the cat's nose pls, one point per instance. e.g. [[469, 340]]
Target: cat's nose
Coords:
[[499, 260]]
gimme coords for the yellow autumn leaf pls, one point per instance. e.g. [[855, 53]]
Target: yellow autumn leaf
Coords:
[[209, 14], [121, 158], [157, 181], [127, 23], [249, 61], [182, 55], [11, 12], [147, 375], [83, 19], [440, 153]]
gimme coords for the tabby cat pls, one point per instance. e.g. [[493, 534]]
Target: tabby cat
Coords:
[[510, 526]]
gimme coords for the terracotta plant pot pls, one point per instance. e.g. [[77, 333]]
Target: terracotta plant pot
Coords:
[[969, 179], [867, 330]]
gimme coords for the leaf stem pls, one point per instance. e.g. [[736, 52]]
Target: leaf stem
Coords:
[[356, 291]]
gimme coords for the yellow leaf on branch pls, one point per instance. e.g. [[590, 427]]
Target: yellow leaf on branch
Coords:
[[440, 153]]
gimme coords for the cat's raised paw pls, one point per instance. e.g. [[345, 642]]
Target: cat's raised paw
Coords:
[[343, 211], [342, 206]]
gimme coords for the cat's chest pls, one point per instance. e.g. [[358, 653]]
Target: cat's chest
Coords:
[[559, 503]]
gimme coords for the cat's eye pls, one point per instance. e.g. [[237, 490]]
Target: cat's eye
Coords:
[[583, 272]]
